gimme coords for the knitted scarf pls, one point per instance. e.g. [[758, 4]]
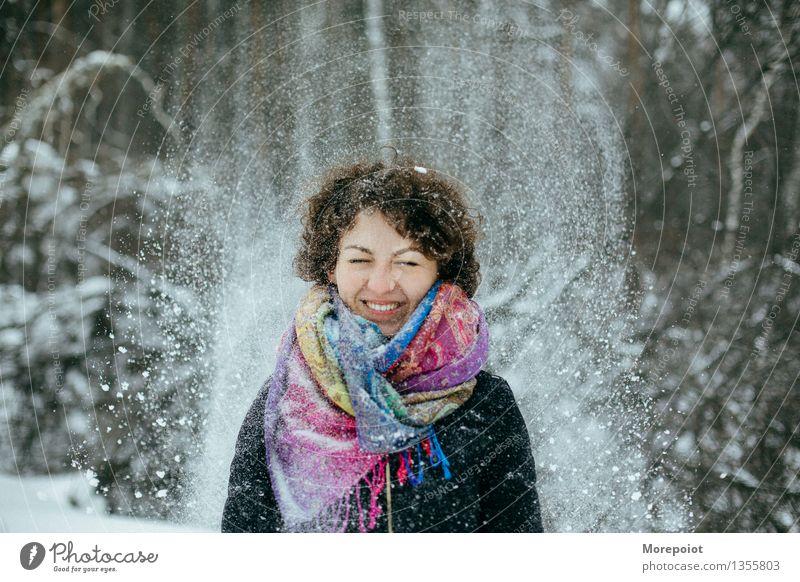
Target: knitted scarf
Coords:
[[343, 397]]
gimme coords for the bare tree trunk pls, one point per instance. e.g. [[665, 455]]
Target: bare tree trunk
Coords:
[[258, 51], [378, 69], [790, 193], [634, 55]]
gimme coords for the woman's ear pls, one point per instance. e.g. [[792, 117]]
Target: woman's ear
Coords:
[[332, 277]]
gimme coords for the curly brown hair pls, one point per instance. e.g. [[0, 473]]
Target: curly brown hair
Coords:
[[419, 202]]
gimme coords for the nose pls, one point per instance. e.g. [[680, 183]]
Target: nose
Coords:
[[381, 280]]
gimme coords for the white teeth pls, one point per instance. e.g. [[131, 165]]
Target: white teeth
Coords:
[[377, 307]]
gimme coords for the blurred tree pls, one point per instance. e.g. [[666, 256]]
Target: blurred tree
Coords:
[[87, 319]]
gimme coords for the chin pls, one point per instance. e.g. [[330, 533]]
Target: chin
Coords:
[[390, 332], [387, 330]]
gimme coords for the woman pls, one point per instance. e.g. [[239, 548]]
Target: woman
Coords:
[[378, 416]]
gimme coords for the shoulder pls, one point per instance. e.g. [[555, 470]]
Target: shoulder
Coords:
[[493, 392], [252, 428], [494, 406], [263, 391], [260, 400], [487, 379]]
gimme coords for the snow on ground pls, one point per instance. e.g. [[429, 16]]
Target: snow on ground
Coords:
[[64, 503]]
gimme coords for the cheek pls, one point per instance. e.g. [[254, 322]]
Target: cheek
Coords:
[[431, 276], [346, 280], [422, 285]]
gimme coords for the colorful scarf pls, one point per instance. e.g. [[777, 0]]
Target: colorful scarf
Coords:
[[343, 397]]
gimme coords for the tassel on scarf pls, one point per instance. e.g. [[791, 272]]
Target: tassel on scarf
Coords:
[[402, 471], [338, 514], [438, 454], [436, 457], [376, 485]]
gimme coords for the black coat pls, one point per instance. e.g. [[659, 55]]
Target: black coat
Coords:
[[492, 487]]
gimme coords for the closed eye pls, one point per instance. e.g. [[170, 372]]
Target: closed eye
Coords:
[[353, 261], [409, 263]]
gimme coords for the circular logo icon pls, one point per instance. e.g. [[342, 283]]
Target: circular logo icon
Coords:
[[31, 555]]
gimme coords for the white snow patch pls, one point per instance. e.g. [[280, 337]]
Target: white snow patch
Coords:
[[59, 503]]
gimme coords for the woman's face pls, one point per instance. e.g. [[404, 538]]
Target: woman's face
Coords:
[[381, 275]]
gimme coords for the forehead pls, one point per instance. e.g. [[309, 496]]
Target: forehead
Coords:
[[372, 228]]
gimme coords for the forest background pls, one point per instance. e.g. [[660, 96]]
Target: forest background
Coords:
[[636, 162]]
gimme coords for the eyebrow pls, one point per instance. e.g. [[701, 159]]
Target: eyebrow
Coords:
[[369, 252]]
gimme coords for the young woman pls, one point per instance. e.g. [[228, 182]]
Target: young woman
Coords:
[[378, 416]]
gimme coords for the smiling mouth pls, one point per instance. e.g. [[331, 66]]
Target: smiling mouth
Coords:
[[382, 308], [388, 307]]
